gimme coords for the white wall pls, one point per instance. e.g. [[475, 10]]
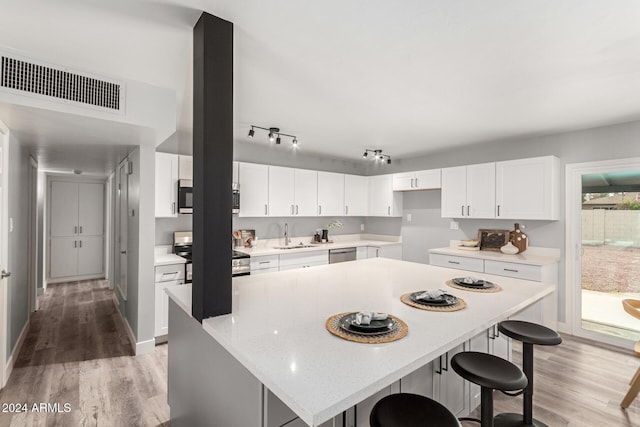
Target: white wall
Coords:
[[427, 230]]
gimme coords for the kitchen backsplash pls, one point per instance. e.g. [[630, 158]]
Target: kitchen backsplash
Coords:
[[271, 228], [166, 226]]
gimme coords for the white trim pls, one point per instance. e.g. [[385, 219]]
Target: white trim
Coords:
[[573, 242], [75, 278], [8, 368], [141, 347], [4, 213]]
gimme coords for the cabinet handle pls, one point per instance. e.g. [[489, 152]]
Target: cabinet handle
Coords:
[[319, 209], [173, 208], [75, 230], [75, 243], [389, 210], [511, 270], [497, 335], [453, 262], [296, 209], [80, 229], [346, 210], [498, 210], [439, 370], [416, 182], [411, 182], [446, 361], [462, 209], [80, 243], [492, 334], [468, 209], [264, 262], [265, 209], [292, 211]]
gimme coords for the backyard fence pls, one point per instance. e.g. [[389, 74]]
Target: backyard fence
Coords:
[[611, 227]]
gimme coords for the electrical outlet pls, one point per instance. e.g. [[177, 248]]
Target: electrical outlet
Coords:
[[361, 227], [408, 217], [453, 225]]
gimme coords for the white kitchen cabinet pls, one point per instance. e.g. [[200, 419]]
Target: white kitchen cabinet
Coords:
[[306, 192], [363, 409], [373, 252], [165, 275], [387, 251], [303, 260], [355, 195], [236, 172], [264, 262], [491, 342], [361, 252], [254, 190], [457, 262], [383, 201], [330, 194], [468, 191], [510, 269], [185, 167], [449, 388], [419, 180], [281, 191], [76, 233], [528, 188], [166, 185]]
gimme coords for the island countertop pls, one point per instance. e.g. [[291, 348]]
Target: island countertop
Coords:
[[277, 328]]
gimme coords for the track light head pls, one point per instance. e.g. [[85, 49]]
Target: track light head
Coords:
[[274, 134], [251, 132], [295, 141], [389, 161], [278, 140], [364, 156]]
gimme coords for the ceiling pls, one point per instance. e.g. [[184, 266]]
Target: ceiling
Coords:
[[409, 78]]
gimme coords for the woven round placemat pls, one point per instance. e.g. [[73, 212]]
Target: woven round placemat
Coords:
[[333, 326], [496, 288], [406, 298]]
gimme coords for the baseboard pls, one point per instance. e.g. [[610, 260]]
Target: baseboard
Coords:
[[16, 351], [75, 278], [40, 291], [141, 347], [564, 328]]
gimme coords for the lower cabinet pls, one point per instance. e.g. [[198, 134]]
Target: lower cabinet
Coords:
[[303, 260], [448, 387], [492, 342], [76, 256], [361, 252], [166, 275]]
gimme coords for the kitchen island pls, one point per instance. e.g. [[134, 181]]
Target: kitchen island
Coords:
[[273, 359]]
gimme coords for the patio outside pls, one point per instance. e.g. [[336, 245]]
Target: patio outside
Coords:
[[610, 263]]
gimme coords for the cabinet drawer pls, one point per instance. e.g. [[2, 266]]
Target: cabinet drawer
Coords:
[[510, 269], [304, 258], [461, 263], [167, 273], [264, 270], [267, 261]]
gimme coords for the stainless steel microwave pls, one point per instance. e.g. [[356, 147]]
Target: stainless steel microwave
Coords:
[[185, 196]]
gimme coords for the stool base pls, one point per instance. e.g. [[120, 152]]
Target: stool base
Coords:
[[514, 420]]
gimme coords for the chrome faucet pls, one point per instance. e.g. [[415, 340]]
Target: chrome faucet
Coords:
[[286, 234]]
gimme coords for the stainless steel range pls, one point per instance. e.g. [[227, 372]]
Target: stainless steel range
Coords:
[[182, 241]]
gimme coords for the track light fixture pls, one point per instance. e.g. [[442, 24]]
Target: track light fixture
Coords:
[[274, 135], [377, 156]]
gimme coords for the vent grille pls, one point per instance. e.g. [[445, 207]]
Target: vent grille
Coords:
[[41, 80]]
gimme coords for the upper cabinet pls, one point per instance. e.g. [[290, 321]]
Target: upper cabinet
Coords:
[[166, 185], [185, 167], [254, 189], [515, 189], [383, 201], [528, 188], [469, 191], [330, 194], [292, 192], [420, 180], [355, 195]]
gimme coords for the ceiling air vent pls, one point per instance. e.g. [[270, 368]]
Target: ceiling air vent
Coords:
[[38, 79]]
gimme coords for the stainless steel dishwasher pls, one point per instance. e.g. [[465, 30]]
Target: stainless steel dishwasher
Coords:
[[342, 255]]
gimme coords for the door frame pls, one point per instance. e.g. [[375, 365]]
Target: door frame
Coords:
[[4, 242], [573, 244], [32, 273]]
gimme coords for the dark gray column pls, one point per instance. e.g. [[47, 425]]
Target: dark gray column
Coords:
[[212, 165]]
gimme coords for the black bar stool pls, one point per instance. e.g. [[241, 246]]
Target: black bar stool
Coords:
[[411, 410], [490, 373], [530, 334]]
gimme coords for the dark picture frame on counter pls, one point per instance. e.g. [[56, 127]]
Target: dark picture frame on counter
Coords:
[[493, 240]]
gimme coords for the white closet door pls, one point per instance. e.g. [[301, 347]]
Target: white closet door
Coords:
[[64, 208], [91, 209], [90, 255], [63, 257]]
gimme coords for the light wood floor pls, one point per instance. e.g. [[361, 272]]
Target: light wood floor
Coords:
[[77, 352]]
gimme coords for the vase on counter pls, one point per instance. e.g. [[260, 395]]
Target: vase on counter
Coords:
[[510, 249], [518, 238]]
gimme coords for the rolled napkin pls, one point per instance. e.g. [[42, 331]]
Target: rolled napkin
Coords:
[[470, 280], [434, 294], [365, 317]]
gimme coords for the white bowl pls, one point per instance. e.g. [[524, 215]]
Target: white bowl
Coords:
[[469, 243]]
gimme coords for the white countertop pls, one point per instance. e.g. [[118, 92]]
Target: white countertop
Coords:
[[163, 255], [277, 328], [181, 294], [270, 250], [532, 256]]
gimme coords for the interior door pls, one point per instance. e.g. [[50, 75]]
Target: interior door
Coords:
[[64, 209], [91, 209], [123, 197], [63, 257], [90, 255]]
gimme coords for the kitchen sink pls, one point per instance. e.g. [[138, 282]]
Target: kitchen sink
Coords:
[[294, 247]]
